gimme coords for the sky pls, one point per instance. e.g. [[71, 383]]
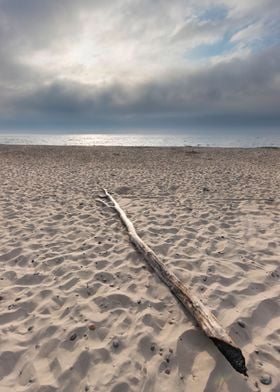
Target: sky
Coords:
[[99, 65]]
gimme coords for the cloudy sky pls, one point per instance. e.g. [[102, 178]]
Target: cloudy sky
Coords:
[[139, 64]]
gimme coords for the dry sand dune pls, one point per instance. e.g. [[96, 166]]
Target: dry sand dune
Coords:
[[80, 310]]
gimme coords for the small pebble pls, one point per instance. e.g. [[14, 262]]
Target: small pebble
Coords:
[[266, 379], [241, 324], [167, 371], [1, 298], [116, 343], [92, 327], [73, 337], [153, 347], [30, 329]]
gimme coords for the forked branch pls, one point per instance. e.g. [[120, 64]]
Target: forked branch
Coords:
[[207, 321]]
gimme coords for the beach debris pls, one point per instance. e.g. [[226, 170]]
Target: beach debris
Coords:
[[206, 320], [266, 379]]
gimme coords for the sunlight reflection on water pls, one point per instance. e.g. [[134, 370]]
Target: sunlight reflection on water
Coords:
[[212, 140]]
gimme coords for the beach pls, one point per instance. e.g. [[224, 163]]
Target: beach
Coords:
[[80, 310]]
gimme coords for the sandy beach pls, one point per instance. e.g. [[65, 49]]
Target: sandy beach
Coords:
[[80, 310]]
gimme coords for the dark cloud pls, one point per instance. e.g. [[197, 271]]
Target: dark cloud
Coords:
[[243, 88]]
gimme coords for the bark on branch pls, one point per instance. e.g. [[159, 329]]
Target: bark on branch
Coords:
[[207, 321]]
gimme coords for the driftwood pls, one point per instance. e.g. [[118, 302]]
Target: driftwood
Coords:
[[207, 321]]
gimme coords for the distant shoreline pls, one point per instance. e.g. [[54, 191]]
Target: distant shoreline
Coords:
[[139, 147]]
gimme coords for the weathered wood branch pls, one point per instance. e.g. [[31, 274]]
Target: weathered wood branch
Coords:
[[207, 321]]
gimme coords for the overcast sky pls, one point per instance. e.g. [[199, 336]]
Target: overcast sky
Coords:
[[126, 64]]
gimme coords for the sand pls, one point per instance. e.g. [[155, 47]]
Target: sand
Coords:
[[79, 308]]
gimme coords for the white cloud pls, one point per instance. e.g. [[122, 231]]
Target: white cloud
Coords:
[[249, 34], [98, 42], [98, 45]]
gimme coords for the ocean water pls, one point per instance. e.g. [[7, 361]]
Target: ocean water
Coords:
[[158, 140]]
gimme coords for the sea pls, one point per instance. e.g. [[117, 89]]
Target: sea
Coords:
[[195, 139]]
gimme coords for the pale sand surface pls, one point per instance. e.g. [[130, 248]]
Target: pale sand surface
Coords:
[[79, 311]]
